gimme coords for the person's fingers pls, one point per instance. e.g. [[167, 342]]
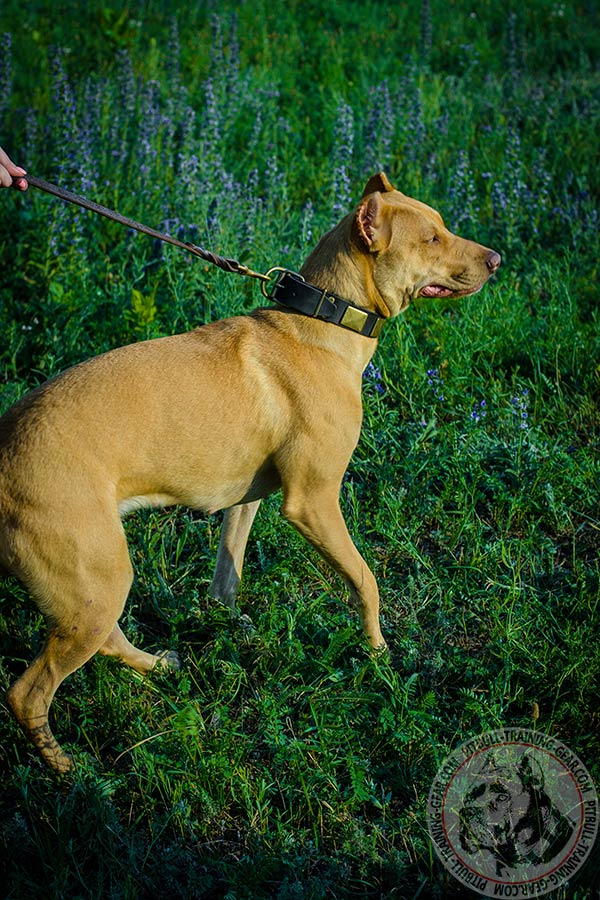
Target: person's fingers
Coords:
[[5, 176], [8, 171]]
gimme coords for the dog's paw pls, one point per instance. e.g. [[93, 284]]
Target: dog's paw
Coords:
[[247, 627], [169, 660], [381, 651], [62, 763]]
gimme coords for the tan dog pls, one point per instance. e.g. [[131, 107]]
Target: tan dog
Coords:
[[214, 419]]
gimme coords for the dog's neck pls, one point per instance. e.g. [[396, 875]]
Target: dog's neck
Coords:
[[338, 265]]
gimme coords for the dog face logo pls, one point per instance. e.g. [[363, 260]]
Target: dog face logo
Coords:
[[513, 813], [509, 814]]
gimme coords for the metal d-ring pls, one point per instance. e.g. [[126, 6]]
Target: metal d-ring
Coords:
[[268, 274]]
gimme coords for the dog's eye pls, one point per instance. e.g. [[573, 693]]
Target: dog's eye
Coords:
[[433, 240]]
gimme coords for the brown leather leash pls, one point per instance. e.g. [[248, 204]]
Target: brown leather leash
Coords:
[[223, 262], [287, 288]]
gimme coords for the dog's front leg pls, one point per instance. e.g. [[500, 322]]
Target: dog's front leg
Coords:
[[235, 530], [319, 519]]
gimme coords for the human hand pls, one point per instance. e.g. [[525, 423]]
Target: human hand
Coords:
[[8, 171]]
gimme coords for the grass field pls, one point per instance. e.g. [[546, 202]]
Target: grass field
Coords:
[[284, 761]]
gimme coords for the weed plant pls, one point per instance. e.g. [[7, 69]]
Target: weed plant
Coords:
[[284, 761]]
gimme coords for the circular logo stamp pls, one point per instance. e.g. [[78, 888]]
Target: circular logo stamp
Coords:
[[513, 813]]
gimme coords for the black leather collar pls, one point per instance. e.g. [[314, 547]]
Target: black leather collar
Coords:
[[291, 290]]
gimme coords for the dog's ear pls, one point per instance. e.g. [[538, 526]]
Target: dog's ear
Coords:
[[379, 182], [372, 223]]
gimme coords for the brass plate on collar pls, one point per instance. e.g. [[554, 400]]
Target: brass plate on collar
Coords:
[[355, 319], [376, 331]]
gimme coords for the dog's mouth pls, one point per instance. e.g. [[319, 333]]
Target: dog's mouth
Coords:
[[435, 290], [440, 290]]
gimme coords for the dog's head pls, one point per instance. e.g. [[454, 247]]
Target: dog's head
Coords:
[[509, 814], [410, 251]]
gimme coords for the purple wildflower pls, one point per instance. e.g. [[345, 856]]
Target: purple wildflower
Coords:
[[512, 196], [126, 83], [464, 209], [231, 74], [373, 375], [211, 131], [379, 131], [411, 115], [173, 53], [343, 151], [436, 384], [31, 134], [217, 57], [479, 411], [520, 404], [64, 117], [307, 223], [149, 128]]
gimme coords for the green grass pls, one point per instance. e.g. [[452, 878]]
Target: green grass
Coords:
[[283, 761]]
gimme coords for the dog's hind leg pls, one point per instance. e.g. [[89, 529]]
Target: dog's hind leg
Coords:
[[235, 531], [82, 603]]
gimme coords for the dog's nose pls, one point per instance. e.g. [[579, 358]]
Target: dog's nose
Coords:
[[493, 261]]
